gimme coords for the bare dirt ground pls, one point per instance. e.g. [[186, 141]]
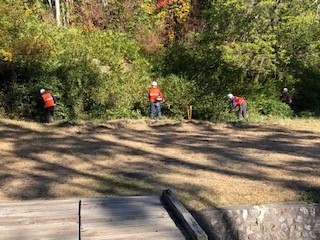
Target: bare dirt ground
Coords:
[[205, 164]]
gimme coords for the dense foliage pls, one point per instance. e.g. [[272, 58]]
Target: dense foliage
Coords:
[[99, 57]]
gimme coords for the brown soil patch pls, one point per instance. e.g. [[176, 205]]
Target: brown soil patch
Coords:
[[204, 164]]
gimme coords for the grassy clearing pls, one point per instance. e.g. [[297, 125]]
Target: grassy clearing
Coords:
[[205, 164]]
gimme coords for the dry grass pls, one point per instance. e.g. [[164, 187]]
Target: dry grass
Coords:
[[205, 164]]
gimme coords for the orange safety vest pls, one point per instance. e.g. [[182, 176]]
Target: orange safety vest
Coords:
[[238, 101], [154, 93], [48, 100]]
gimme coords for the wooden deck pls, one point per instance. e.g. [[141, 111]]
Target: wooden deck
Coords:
[[39, 220], [142, 217]]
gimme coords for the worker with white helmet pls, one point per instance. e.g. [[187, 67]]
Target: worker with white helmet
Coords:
[[48, 102], [155, 98], [286, 97], [240, 102]]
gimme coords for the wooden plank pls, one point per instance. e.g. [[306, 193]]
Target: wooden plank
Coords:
[[127, 207], [193, 228], [37, 202], [164, 235], [47, 212], [131, 222], [36, 227], [39, 220], [27, 207], [118, 230], [25, 220], [122, 210], [124, 205], [56, 235], [45, 231], [102, 216], [127, 218], [124, 199]]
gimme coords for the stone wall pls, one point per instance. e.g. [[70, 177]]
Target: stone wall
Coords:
[[267, 222]]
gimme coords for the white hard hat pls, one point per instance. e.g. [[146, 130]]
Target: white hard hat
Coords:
[[230, 96], [42, 90], [154, 83], [285, 90]]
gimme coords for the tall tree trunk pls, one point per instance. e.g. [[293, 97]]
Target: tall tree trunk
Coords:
[[57, 5], [50, 3], [66, 16], [257, 76]]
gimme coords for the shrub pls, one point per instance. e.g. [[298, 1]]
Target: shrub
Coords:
[[270, 107], [212, 109], [179, 94]]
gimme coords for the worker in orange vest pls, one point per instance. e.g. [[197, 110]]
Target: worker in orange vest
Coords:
[[48, 102], [240, 102], [155, 99]]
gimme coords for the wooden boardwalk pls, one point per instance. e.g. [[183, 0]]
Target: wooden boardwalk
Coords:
[[142, 217], [39, 220]]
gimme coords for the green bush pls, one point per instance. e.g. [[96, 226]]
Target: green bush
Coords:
[[95, 74], [214, 109], [179, 94], [269, 107]]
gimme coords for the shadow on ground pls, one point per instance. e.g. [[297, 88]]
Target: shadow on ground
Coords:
[[69, 160]]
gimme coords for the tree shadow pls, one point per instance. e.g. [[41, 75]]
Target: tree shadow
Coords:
[[141, 158]]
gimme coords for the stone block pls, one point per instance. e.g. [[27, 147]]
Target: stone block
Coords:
[[307, 227], [254, 212], [281, 219], [305, 234], [299, 228], [284, 227], [304, 211], [254, 236], [299, 219]]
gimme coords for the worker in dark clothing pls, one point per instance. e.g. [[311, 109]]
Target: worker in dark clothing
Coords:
[[286, 97]]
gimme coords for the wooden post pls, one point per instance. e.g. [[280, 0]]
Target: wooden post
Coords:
[[191, 225], [189, 111]]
